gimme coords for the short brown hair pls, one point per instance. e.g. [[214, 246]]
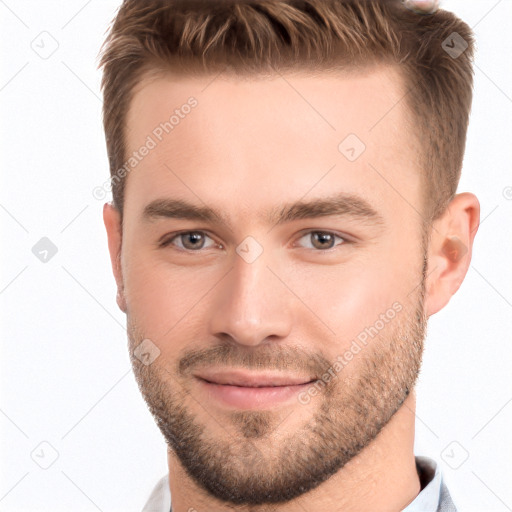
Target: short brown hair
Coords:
[[258, 36]]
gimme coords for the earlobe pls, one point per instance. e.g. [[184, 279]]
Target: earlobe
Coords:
[[113, 225], [450, 250]]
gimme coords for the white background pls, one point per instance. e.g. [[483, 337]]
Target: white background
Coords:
[[66, 377]]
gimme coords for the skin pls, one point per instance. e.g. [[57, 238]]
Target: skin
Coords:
[[422, 6], [250, 146]]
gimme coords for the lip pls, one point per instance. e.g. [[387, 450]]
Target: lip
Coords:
[[243, 390], [252, 379]]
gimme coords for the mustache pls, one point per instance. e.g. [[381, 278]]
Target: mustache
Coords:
[[268, 357]]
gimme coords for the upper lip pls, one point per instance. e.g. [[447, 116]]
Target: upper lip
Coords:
[[251, 379]]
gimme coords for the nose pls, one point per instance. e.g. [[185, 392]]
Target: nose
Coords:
[[252, 306]]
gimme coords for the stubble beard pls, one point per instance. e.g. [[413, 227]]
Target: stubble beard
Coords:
[[253, 462]]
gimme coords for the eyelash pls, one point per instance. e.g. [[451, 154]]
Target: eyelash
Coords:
[[344, 239]]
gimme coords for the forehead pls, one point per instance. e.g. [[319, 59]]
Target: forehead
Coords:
[[268, 139]]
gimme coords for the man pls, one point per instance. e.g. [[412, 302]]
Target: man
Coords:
[[284, 222]]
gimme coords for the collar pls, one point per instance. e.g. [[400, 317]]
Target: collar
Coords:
[[430, 480]]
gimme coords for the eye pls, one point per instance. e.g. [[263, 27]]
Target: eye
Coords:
[[322, 240], [188, 240]]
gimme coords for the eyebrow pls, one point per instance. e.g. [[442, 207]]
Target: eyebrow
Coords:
[[342, 204]]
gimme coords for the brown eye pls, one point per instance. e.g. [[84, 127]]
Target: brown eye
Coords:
[[192, 240], [189, 240], [322, 240]]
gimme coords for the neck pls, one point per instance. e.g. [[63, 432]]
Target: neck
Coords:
[[381, 477]]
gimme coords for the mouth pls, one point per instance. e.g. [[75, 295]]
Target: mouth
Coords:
[[253, 380], [243, 390], [260, 385]]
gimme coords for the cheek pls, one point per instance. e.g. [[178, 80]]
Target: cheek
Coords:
[[351, 298], [160, 295]]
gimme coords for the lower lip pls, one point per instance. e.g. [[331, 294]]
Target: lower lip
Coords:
[[241, 397]]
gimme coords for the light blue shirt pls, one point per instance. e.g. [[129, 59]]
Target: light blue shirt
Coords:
[[433, 497]]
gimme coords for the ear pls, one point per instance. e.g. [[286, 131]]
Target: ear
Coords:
[[450, 249], [113, 225]]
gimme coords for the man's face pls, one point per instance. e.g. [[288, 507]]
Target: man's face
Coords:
[[272, 293]]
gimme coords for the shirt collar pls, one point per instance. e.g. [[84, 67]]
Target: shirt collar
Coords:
[[430, 478]]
